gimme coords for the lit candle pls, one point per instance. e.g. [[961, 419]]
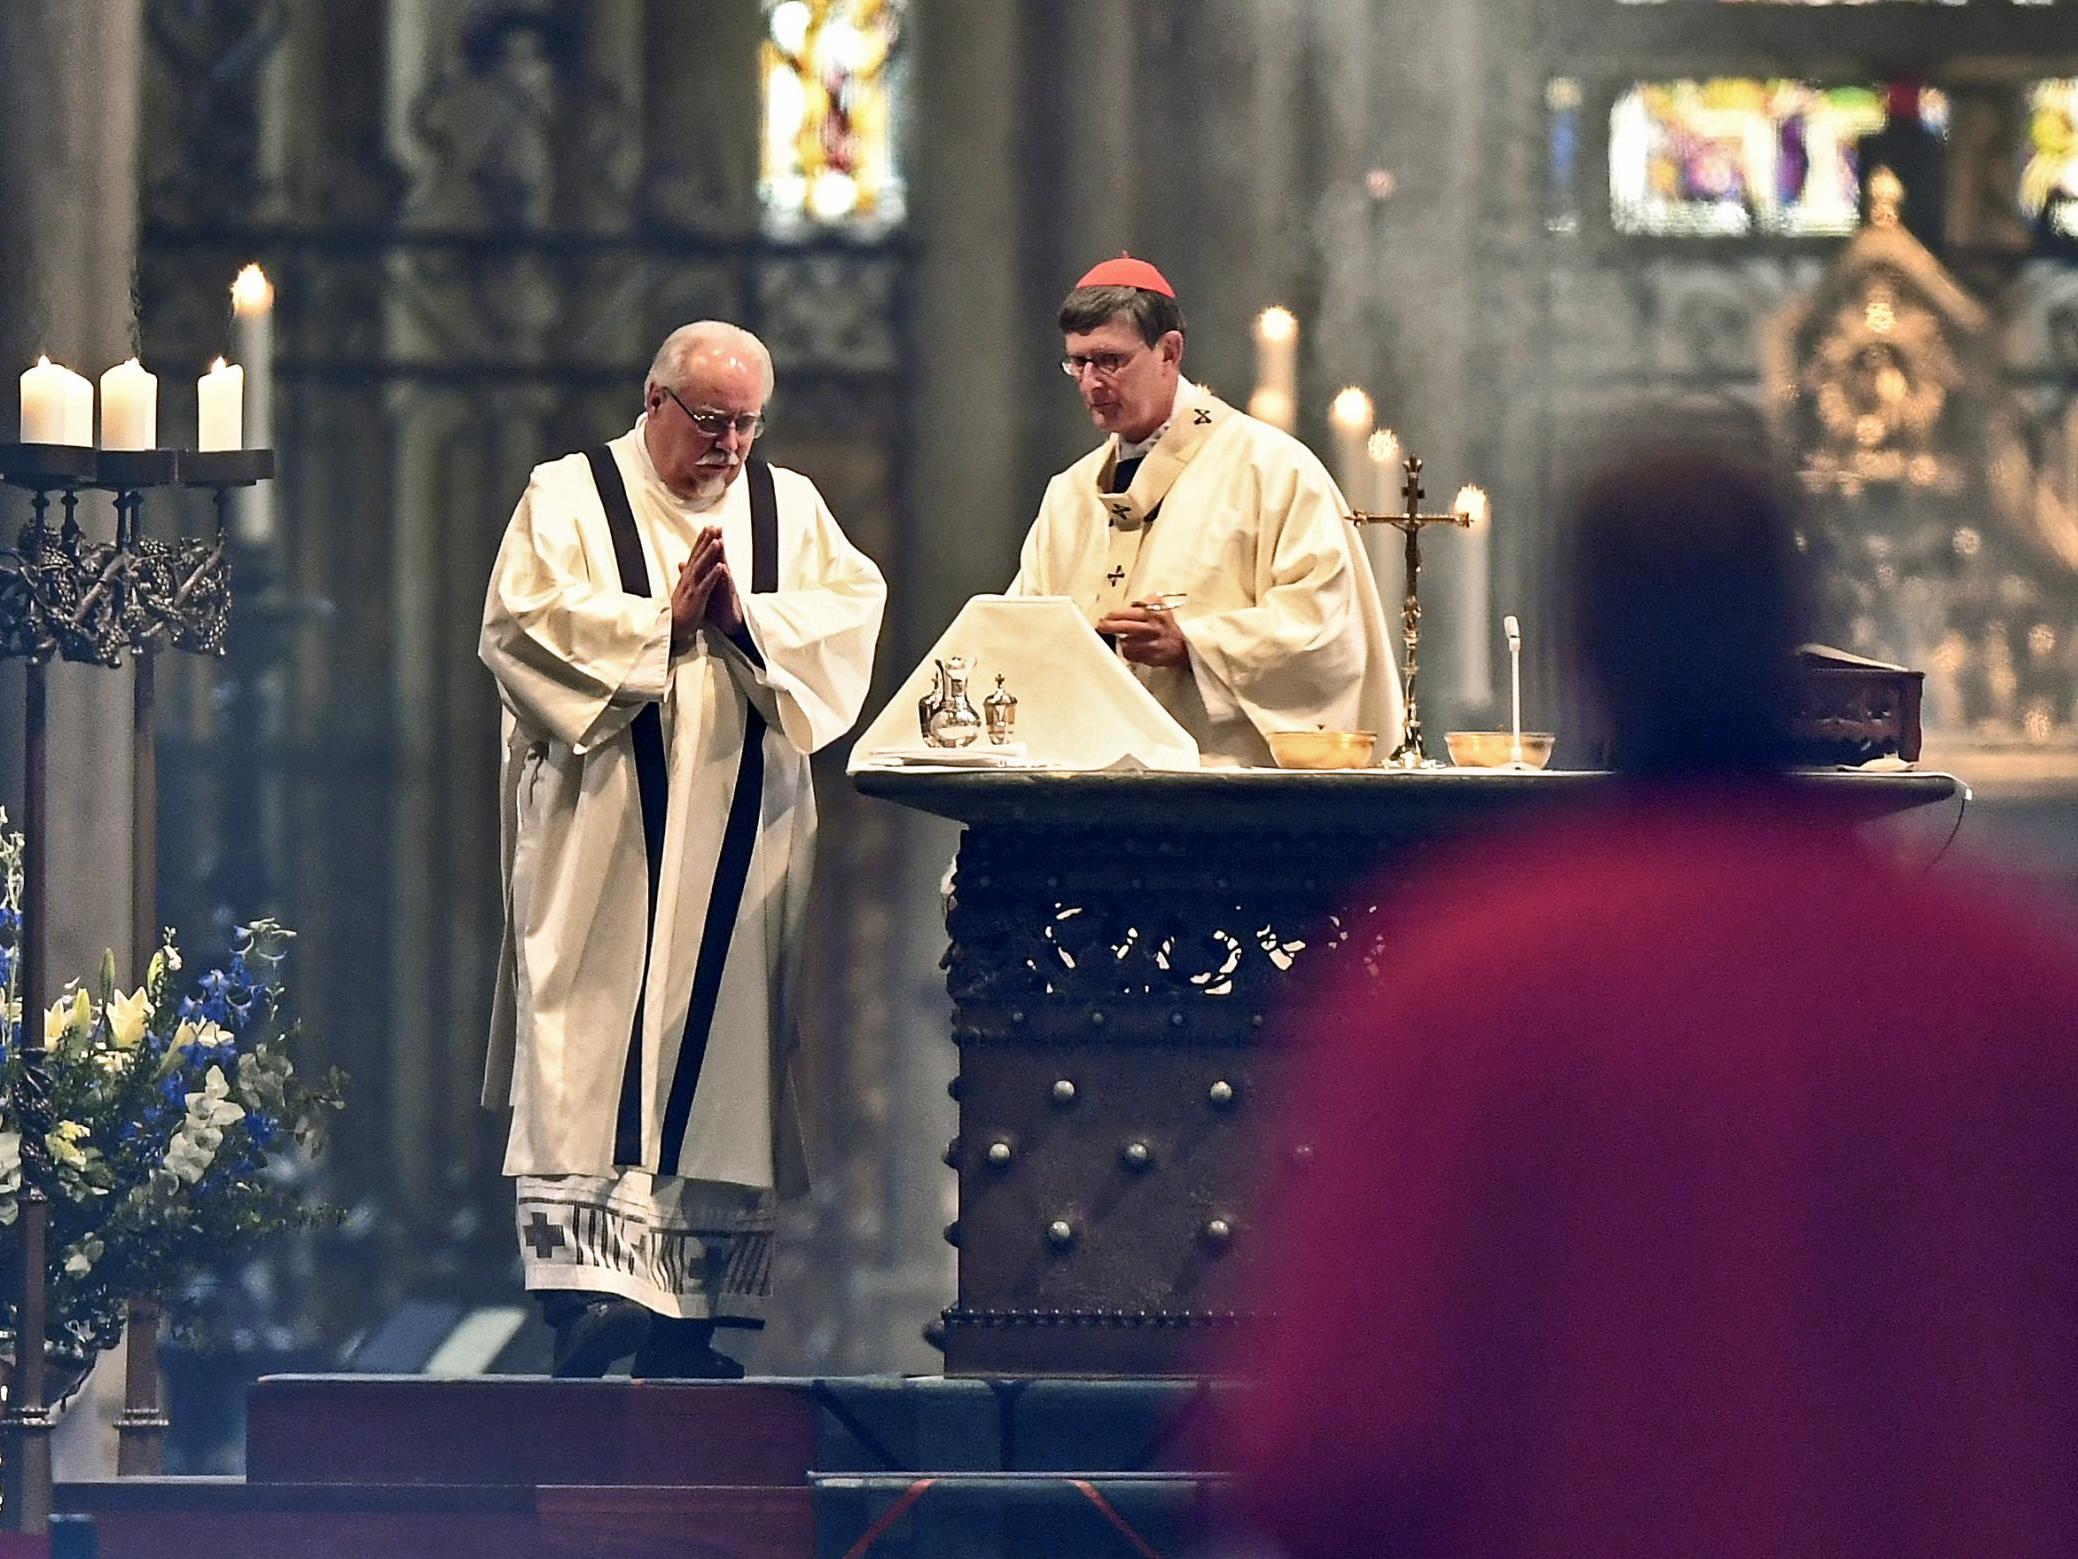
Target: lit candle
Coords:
[[1276, 397], [1349, 415], [1384, 449], [57, 405], [220, 406], [1477, 666], [252, 335], [79, 408], [129, 407], [1388, 560]]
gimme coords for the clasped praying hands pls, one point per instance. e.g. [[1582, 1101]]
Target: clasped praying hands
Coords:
[[705, 593]]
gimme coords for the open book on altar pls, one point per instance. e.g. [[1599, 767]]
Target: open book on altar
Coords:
[[1078, 707]]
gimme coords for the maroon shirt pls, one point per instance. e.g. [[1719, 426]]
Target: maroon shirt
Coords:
[[1701, 1186]]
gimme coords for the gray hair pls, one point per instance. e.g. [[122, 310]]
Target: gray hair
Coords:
[[672, 365]]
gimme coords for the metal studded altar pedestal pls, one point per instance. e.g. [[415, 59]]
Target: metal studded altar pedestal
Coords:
[[1126, 951]]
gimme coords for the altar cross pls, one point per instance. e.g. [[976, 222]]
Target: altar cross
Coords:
[[1408, 754]]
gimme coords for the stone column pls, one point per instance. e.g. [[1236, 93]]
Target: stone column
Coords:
[[1082, 188], [431, 442], [1427, 84], [69, 75], [1217, 136], [967, 509], [700, 127]]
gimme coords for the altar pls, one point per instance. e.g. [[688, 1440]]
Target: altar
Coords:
[[1125, 948]]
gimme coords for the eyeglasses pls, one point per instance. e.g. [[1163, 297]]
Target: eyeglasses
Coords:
[[748, 424], [1106, 365]]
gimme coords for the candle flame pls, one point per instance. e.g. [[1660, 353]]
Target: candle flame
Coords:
[[1351, 408], [1471, 505], [1384, 447], [1277, 323], [42, 361], [252, 293], [218, 366]]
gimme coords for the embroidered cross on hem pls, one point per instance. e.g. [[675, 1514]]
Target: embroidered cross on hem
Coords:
[[1201, 418], [545, 1238], [1121, 511], [1116, 576]]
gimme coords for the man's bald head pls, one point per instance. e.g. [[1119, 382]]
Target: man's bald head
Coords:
[[706, 344]]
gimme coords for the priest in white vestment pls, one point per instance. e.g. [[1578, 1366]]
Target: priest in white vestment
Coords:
[[1211, 548], [674, 627]]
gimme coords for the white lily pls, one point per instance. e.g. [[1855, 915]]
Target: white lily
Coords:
[[66, 1014], [128, 1018]]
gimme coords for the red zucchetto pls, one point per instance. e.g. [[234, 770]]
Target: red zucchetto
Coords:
[[1126, 271]]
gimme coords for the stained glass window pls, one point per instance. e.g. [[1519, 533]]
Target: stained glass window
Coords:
[[1741, 156], [831, 71], [2049, 179]]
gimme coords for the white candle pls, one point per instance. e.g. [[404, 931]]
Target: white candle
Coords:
[[1349, 415], [1384, 449], [220, 407], [1276, 397], [79, 408], [129, 407], [252, 335], [1385, 544], [1476, 683], [52, 400]]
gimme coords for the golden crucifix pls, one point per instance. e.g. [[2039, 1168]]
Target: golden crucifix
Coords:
[[1408, 754]]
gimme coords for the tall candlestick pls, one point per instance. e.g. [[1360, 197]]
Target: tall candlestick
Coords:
[[1476, 676], [1349, 415], [1276, 397], [252, 335], [129, 407], [57, 405], [220, 407]]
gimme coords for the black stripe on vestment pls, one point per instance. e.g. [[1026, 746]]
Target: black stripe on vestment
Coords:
[[652, 784], [739, 842]]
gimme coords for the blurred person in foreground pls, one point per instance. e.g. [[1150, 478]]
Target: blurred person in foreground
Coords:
[[1693, 1181]]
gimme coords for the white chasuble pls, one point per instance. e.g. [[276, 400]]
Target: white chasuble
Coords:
[[1281, 614], [591, 1044]]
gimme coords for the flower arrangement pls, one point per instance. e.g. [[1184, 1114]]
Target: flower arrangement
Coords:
[[171, 1116]]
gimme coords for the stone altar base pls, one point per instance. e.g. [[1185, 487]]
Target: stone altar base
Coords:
[[521, 1467]]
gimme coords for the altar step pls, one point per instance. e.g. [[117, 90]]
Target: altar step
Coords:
[[233, 1518], [529, 1468]]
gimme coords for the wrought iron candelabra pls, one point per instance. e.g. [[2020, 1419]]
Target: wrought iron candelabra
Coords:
[[1408, 754], [63, 596]]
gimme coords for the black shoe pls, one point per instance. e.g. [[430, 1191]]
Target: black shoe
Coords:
[[592, 1331], [682, 1350]]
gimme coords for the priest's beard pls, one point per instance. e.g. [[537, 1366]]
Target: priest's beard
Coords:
[[710, 480]]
